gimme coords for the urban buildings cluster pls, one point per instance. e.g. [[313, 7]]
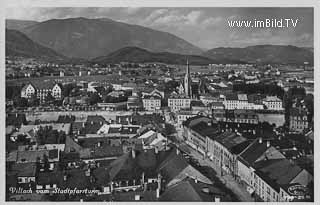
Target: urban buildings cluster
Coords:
[[165, 137]]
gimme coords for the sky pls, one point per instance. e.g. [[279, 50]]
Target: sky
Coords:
[[204, 27]]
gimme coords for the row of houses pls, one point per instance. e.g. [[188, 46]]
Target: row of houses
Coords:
[[264, 170]]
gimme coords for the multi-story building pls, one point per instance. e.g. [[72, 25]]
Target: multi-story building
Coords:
[[178, 102], [240, 101], [223, 150], [298, 120], [273, 103], [274, 177], [242, 116], [151, 103], [28, 91], [218, 111], [184, 115], [197, 129], [41, 91], [257, 151]]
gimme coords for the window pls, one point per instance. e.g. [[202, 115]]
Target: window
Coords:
[[268, 190]]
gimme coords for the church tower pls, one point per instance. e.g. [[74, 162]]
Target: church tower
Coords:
[[187, 81]]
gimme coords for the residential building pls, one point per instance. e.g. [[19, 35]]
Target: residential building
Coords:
[[151, 103], [223, 150], [41, 90], [178, 102], [197, 129], [273, 175], [273, 103], [258, 150], [298, 121]]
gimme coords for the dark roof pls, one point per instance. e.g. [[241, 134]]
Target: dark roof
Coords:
[[24, 169], [297, 112], [188, 190], [205, 130], [254, 151], [197, 103], [237, 149], [96, 119], [230, 139], [50, 178], [104, 150], [91, 128], [277, 172], [172, 166]]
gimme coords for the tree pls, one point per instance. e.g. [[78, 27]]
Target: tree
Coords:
[[94, 98], [46, 164], [20, 102], [49, 98]]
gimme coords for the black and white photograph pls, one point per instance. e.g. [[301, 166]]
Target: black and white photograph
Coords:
[[159, 104]]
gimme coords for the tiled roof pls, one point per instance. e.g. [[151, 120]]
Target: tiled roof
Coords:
[[277, 172], [230, 140], [254, 151], [24, 169]]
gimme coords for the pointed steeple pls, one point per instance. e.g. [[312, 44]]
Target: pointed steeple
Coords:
[[187, 81]]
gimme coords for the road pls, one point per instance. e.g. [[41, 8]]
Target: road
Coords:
[[228, 180]]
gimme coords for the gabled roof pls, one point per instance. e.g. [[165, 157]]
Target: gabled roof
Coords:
[[230, 139], [277, 172], [24, 169], [188, 190], [254, 151]]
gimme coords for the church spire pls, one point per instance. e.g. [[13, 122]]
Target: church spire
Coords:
[[187, 81]]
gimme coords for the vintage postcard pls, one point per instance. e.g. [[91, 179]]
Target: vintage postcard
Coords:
[[159, 104]]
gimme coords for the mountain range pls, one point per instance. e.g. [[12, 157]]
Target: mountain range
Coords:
[[139, 55], [106, 40], [18, 44], [89, 38], [272, 54]]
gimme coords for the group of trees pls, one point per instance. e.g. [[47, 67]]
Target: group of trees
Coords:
[[261, 88], [46, 135]]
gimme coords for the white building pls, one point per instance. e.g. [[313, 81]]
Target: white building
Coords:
[[28, 91], [151, 103], [273, 103], [178, 102], [41, 90], [240, 101]]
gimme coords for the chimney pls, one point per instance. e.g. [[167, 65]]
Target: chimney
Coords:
[[137, 197], [133, 153], [88, 172], [177, 151], [260, 140], [142, 179], [268, 143]]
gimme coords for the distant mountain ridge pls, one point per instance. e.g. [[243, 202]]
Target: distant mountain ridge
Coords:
[[18, 24], [89, 38], [18, 44], [271, 54], [139, 55]]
